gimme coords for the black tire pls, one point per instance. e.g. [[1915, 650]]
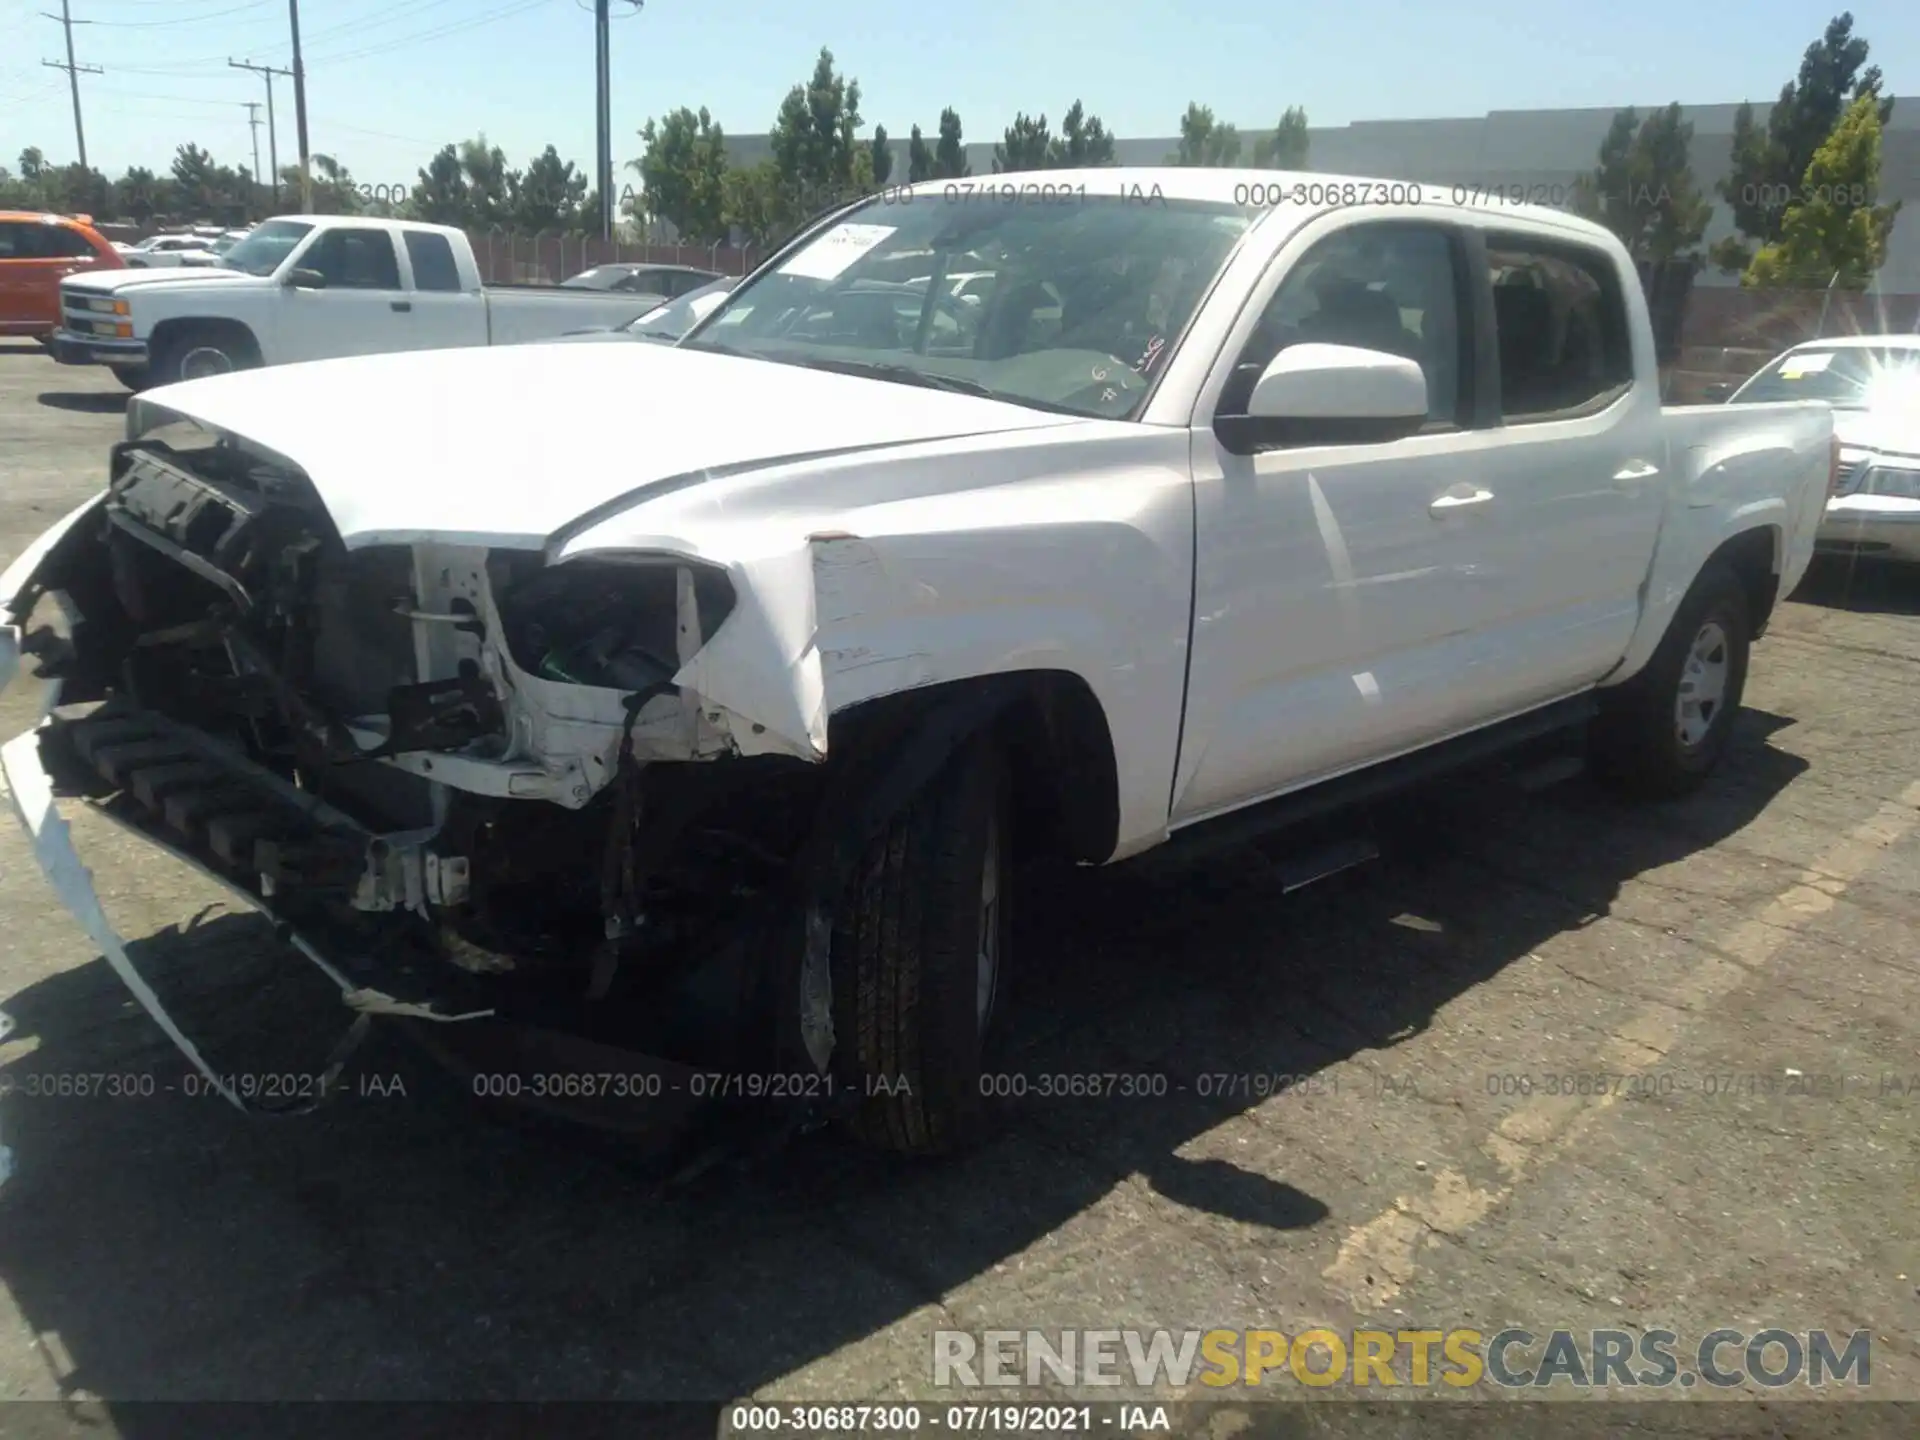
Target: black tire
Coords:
[[1637, 739], [906, 960], [134, 377], [188, 347]]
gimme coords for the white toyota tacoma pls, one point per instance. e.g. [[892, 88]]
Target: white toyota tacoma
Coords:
[[311, 287], [674, 713]]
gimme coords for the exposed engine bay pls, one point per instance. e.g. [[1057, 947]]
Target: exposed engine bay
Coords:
[[460, 772]]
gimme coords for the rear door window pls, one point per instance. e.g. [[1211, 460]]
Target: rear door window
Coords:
[[1560, 319]]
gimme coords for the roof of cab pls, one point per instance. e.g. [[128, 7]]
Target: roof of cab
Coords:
[[1254, 189]]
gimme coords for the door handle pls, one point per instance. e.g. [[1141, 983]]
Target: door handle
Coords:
[[1460, 499], [1639, 470], [400, 304]]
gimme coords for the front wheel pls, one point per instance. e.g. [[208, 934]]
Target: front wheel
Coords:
[[202, 352], [1663, 732], [134, 377], [919, 959]]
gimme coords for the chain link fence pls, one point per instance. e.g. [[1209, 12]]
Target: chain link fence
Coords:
[[508, 257]]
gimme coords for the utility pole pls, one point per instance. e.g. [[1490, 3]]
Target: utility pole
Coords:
[[266, 73], [300, 109], [67, 22], [253, 124], [603, 113]]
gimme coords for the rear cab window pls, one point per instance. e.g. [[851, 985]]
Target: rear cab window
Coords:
[[432, 259]]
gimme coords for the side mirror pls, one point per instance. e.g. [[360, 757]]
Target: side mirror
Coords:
[[1717, 393], [1329, 395], [301, 279]]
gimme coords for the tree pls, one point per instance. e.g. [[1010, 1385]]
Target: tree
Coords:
[[881, 161], [1643, 188], [1083, 141], [1286, 148], [441, 196], [139, 195], [1768, 166], [683, 172], [1834, 232], [334, 192], [485, 168], [1025, 146], [949, 154], [33, 164], [920, 161], [813, 139], [549, 195], [1203, 141], [755, 204], [196, 183]]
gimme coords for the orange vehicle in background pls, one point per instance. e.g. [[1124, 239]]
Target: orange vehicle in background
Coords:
[[37, 252]]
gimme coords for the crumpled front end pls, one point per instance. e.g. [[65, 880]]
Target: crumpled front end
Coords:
[[480, 775]]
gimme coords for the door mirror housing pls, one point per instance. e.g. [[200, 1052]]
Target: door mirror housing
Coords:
[[1316, 394], [303, 279]]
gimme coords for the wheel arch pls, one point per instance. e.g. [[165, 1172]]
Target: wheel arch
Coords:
[[168, 333], [1054, 732], [1753, 550]]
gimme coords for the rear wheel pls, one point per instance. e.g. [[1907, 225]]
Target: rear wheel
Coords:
[[1662, 733], [919, 960]]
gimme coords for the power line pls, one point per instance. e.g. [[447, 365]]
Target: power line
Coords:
[[266, 73], [67, 22], [453, 27], [179, 20]]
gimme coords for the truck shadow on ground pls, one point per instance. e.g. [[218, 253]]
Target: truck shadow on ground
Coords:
[[397, 1246], [1877, 587], [85, 402]]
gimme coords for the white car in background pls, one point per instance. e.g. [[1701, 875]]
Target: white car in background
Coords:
[[168, 251], [1873, 384]]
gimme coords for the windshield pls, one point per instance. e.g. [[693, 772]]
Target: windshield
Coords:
[[263, 250], [601, 277], [676, 317], [1851, 377], [1067, 303]]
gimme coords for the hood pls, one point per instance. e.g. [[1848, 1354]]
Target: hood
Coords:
[[1883, 431], [505, 447], [112, 282]]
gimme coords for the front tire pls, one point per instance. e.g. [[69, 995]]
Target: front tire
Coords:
[[1663, 732], [201, 352], [134, 377], [919, 960]]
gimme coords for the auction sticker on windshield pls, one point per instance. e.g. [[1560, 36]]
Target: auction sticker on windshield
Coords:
[[1806, 365], [834, 251]]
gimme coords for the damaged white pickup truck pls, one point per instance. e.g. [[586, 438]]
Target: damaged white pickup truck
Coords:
[[669, 712]]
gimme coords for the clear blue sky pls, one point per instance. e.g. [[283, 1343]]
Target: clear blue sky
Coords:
[[389, 81]]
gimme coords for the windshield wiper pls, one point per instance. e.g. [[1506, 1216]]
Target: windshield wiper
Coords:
[[936, 380]]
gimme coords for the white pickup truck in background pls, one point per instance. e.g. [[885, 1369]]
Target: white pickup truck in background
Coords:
[[312, 287], [702, 728]]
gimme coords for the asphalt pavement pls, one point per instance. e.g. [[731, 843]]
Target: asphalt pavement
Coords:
[[1748, 956]]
